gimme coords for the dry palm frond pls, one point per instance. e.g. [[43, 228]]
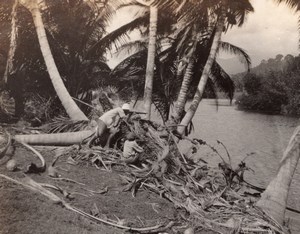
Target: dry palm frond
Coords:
[[65, 124], [6, 103]]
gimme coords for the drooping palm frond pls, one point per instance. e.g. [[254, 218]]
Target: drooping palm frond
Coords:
[[132, 47], [222, 80], [235, 50], [162, 106], [119, 36], [132, 68], [294, 4], [239, 10]]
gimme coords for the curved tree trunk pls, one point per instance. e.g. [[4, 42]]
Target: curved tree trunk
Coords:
[[205, 73], [190, 113], [13, 41], [183, 93], [68, 103], [150, 61], [274, 199]]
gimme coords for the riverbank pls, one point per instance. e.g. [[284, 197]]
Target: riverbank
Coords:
[[262, 137]]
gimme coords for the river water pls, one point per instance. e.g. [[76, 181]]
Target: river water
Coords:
[[264, 137]]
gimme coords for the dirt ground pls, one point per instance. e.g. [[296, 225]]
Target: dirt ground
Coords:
[[24, 211]]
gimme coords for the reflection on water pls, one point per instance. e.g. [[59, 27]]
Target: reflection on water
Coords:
[[263, 136]]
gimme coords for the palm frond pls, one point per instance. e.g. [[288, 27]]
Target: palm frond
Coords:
[[222, 80], [65, 124], [239, 10], [118, 36], [132, 47], [161, 106], [235, 50], [293, 4], [131, 68]]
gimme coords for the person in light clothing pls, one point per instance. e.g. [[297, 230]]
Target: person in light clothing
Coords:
[[110, 121], [131, 149]]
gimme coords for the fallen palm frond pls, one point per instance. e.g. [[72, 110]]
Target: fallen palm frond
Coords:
[[65, 124], [5, 142], [69, 180], [32, 168], [7, 105], [39, 188]]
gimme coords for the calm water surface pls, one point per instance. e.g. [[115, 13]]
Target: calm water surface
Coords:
[[263, 136]]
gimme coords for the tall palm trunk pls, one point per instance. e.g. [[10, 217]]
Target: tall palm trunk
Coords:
[[68, 103], [183, 93], [205, 73], [274, 199], [150, 61], [13, 41]]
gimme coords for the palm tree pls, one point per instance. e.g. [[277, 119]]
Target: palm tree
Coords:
[[153, 5], [77, 28], [70, 106], [151, 55], [224, 9], [13, 41]]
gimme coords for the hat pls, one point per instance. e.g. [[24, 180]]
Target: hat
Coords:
[[126, 106], [130, 136]]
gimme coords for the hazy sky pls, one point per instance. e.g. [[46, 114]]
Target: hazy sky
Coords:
[[270, 30]]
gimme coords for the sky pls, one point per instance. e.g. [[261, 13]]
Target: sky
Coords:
[[272, 29]]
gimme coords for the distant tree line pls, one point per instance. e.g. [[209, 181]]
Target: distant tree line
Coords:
[[272, 87]]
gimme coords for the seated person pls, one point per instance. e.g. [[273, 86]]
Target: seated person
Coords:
[[131, 149], [110, 121]]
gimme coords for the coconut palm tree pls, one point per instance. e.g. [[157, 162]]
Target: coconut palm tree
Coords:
[[227, 12], [195, 66], [151, 55], [153, 5], [13, 41], [70, 106], [75, 34], [166, 82]]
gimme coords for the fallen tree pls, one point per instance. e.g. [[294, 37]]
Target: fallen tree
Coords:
[[66, 138]]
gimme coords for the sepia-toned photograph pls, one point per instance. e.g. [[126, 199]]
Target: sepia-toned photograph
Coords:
[[149, 116]]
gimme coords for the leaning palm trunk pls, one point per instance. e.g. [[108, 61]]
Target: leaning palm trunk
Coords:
[[205, 74], [68, 103], [150, 61], [59, 139], [274, 199], [13, 41], [183, 93]]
